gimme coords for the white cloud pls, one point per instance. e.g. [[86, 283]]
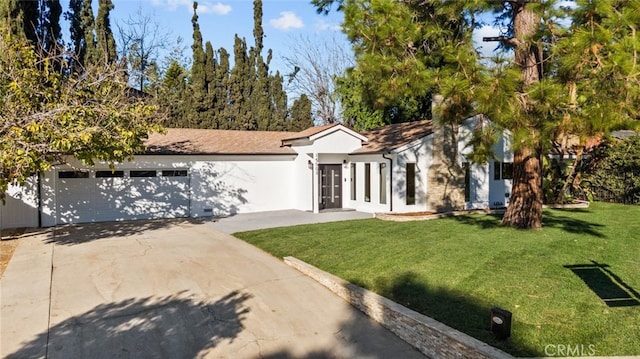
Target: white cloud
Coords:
[[204, 7], [287, 20], [217, 8], [322, 25]]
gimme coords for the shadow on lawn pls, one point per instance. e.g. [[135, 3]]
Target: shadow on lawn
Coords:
[[551, 219], [457, 310], [605, 284]]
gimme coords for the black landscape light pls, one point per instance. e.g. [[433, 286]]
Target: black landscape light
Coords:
[[501, 323]]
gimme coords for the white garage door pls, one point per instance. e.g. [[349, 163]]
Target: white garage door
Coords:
[[101, 196]]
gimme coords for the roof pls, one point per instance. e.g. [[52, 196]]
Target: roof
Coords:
[[391, 137], [190, 141], [308, 132], [206, 142]]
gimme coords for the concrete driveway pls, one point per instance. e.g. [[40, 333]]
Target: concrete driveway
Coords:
[[172, 289]]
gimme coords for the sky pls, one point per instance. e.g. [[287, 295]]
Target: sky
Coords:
[[283, 22]]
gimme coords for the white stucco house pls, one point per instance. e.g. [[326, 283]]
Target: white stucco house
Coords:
[[201, 173]]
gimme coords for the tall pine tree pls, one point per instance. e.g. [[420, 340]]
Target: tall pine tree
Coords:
[[568, 71], [105, 43]]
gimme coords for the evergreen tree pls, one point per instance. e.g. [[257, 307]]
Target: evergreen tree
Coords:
[[50, 30], [198, 79], [172, 95], [105, 43], [38, 21], [30, 20], [300, 118], [239, 115], [221, 89], [89, 52], [77, 32], [209, 116], [277, 103], [566, 71], [11, 17]]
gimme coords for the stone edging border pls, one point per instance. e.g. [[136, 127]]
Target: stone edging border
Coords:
[[577, 204], [400, 218], [432, 338]]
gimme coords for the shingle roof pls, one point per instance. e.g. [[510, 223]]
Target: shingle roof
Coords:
[[207, 142], [391, 137], [309, 132], [199, 141]]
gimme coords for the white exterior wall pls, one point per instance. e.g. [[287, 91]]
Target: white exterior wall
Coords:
[[225, 187], [418, 152], [21, 206], [219, 185], [331, 148], [373, 205], [485, 191], [302, 183]]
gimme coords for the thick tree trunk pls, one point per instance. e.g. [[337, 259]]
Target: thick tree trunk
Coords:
[[525, 205]]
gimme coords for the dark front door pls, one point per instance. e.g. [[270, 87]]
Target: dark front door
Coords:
[[330, 186]]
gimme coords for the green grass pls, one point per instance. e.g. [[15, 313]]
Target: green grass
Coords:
[[455, 269]]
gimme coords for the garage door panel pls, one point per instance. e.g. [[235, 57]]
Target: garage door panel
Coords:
[[82, 200]]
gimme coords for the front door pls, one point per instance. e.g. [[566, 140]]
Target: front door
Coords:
[[330, 186]]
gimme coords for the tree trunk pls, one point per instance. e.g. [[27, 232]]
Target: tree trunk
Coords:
[[525, 205]]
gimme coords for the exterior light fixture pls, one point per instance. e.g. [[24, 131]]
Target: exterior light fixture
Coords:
[[501, 323], [309, 164]]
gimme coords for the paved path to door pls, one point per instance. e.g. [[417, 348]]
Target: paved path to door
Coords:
[[172, 289], [284, 218]]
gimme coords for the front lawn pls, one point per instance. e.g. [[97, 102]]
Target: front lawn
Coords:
[[575, 282]]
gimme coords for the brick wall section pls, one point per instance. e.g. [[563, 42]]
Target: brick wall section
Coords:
[[429, 336]]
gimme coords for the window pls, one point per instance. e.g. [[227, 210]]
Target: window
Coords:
[[507, 170], [73, 174], [502, 170], [497, 168], [109, 174], [353, 181], [174, 173], [411, 183], [383, 183], [367, 182], [467, 181], [143, 174]]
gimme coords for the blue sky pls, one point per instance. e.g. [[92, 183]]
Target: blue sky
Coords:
[[283, 21]]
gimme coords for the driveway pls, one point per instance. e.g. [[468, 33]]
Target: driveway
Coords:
[[172, 289]]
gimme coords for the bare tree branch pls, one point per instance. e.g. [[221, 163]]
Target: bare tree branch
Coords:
[[317, 64]]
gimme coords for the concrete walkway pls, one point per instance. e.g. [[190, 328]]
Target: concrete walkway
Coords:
[[172, 289], [285, 218]]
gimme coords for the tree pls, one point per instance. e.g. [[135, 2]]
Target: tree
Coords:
[[141, 39], [317, 64], [38, 21], [45, 115], [105, 43], [613, 170], [565, 72], [355, 112], [300, 117], [172, 93]]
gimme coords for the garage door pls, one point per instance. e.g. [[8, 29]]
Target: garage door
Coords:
[[102, 196]]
